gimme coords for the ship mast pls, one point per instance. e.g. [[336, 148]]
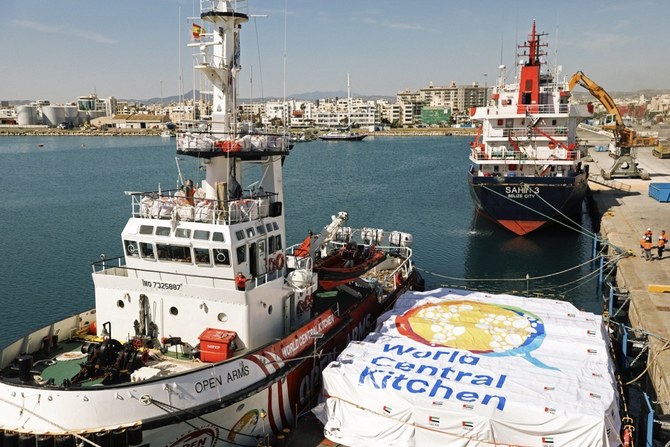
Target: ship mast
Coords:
[[529, 80], [219, 61], [223, 64]]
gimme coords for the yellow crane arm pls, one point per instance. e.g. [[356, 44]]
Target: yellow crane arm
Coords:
[[597, 92]]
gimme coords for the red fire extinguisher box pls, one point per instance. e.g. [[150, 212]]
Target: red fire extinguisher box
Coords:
[[216, 344]]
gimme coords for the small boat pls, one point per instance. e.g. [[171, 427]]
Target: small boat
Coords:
[[346, 264], [342, 136], [167, 134], [527, 165]]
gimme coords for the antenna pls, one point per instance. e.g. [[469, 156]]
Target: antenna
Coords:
[[285, 108], [501, 48]]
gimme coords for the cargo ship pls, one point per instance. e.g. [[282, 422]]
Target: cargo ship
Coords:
[[527, 166], [207, 329]]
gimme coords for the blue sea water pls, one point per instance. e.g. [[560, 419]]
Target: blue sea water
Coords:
[[63, 205]]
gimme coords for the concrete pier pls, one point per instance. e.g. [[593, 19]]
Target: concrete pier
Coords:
[[625, 217]]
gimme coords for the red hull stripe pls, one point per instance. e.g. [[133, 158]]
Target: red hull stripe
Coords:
[[271, 416], [278, 406], [522, 227], [269, 363], [280, 396]]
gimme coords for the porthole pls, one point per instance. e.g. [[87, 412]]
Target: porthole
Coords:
[[270, 309], [222, 317], [120, 304], [174, 311]]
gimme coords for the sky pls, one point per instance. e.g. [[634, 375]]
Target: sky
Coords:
[[136, 49]]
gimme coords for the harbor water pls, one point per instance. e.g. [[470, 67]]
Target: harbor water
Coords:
[[63, 206]]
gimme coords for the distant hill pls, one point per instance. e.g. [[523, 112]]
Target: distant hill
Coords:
[[579, 93], [307, 96]]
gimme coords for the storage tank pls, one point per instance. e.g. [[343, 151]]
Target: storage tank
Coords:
[[52, 116], [26, 115], [72, 115]]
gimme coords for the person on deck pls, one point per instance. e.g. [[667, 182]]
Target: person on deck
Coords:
[[660, 246], [647, 245], [241, 281]]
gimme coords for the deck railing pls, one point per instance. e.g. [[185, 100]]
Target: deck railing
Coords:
[[174, 204], [199, 137], [116, 267]]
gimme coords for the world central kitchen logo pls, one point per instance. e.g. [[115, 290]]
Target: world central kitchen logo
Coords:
[[458, 336], [481, 328]]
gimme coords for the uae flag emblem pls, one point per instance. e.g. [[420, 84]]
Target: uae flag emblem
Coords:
[[467, 424], [547, 441], [433, 420], [387, 410]]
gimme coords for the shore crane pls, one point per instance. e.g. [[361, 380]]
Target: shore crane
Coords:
[[625, 138]]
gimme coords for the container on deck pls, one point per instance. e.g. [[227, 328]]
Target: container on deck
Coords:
[[216, 344]]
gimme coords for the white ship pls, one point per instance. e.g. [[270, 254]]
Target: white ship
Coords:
[[207, 330]]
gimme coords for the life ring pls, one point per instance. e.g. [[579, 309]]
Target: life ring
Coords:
[[300, 308], [279, 260], [221, 256], [271, 265]]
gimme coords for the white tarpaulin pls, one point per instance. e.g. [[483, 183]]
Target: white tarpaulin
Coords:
[[459, 368]]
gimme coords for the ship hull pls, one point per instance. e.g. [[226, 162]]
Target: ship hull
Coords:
[[344, 137], [239, 401], [524, 204]]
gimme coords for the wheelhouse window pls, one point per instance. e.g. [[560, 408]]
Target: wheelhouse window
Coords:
[[147, 250], [250, 232], [146, 229], [202, 256], [162, 231], [277, 242], [183, 232], [131, 249], [218, 237], [239, 234], [271, 244], [202, 235], [174, 253], [260, 229], [241, 254], [221, 256]]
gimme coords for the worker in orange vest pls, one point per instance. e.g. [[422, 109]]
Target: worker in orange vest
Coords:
[[647, 246], [241, 281], [660, 246]]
